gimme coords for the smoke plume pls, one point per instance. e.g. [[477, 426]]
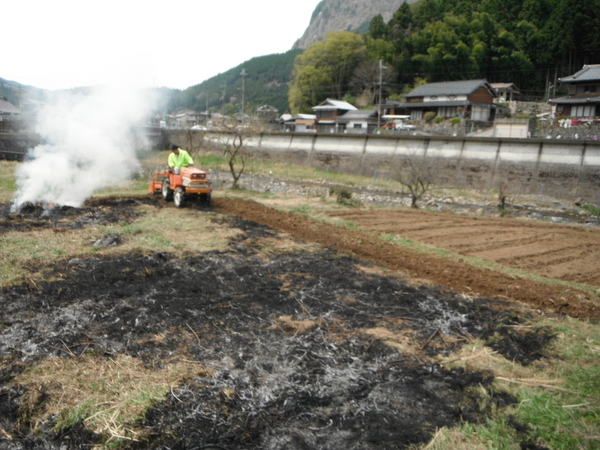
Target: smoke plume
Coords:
[[88, 145]]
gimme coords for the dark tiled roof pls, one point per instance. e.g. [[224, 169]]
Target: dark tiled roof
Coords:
[[587, 73], [576, 100], [7, 107], [448, 88]]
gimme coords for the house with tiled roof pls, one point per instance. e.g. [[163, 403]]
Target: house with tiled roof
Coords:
[[358, 121], [267, 114], [327, 114], [469, 99], [7, 108], [300, 122], [8, 114], [507, 92], [583, 94]]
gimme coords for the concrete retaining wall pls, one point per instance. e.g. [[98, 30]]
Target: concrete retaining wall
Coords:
[[562, 168]]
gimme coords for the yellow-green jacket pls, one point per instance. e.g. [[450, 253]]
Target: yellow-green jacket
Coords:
[[183, 159]]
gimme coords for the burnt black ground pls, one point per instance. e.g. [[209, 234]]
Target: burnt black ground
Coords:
[[330, 386]]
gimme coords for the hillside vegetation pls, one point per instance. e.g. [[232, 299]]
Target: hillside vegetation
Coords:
[[530, 43]]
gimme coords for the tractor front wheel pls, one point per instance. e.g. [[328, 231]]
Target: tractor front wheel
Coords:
[[205, 199], [179, 197], [166, 192]]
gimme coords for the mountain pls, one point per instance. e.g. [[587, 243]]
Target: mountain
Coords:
[[265, 83], [12, 91], [348, 15]]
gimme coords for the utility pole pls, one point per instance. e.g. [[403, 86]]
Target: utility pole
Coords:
[[243, 74], [224, 86], [381, 69]]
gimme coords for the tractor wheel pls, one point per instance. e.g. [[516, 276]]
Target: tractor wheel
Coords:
[[205, 199], [166, 192], [179, 197]]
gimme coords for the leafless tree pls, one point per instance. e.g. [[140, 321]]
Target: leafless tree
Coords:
[[194, 140], [366, 76], [418, 174], [236, 139], [503, 196]]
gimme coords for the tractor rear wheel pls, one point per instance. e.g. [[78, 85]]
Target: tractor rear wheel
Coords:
[[179, 197], [166, 192]]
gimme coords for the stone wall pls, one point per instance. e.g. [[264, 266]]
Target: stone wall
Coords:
[[14, 146]]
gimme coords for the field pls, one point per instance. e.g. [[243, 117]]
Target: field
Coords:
[[278, 321], [552, 250]]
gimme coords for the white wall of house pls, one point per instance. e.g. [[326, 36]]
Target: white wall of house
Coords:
[[444, 98], [480, 113]]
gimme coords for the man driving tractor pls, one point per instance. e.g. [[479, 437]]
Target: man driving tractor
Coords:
[[179, 158], [181, 181]]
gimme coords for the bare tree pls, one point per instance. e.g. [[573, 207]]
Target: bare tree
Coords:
[[236, 140], [194, 140], [418, 174], [366, 77], [503, 196]]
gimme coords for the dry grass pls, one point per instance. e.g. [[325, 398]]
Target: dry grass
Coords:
[[289, 325], [171, 230], [109, 395]]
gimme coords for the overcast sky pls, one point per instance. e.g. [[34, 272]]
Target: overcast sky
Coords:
[[55, 44]]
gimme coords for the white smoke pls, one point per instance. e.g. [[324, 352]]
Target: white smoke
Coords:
[[88, 145]]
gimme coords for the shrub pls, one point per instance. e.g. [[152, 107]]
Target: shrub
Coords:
[[428, 116], [344, 197], [455, 120]]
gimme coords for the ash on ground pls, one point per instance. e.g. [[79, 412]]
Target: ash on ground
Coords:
[[307, 350]]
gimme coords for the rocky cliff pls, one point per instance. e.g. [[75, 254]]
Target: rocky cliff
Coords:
[[351, 15]]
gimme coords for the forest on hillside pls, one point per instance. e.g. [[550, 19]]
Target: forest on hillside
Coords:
[[531, 43], [265, 83]]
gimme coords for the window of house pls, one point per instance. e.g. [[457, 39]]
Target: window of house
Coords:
[[358, 125], [447, 111], [416, 115], [583, 110], [585, 88]]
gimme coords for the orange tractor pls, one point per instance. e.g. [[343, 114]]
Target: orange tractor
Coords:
[[187, 183]]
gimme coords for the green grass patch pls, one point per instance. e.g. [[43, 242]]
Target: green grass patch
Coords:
[[558, 397], [591, 208], [561, 421], [8, 180]]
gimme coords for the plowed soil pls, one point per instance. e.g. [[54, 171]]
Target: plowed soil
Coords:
[[552, 250], [454, 232]]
